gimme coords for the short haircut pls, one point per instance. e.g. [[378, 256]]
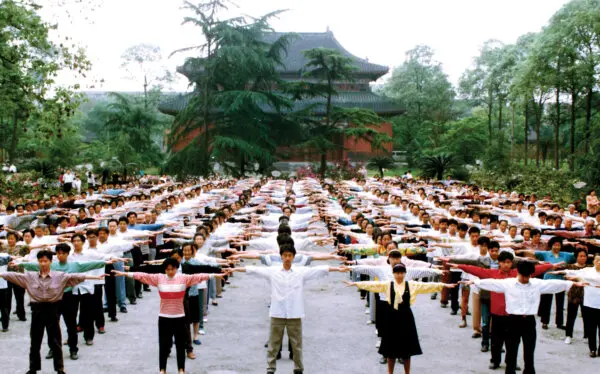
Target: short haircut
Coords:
[[555, 239], [45, 253], [579, 250], [123, 219], [494, 244], [484, 240], [103, 229], [503, 256], [63, 247], [80, 236], [395, 254], [399, 268], [170, 262], [284, 229], [474, 230], [89, 232], [284, 239], [287, 248], [463, 227], [525, 268], [132, 214]]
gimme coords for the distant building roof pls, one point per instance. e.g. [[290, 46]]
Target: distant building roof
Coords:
[[362, 100], [294, 62]]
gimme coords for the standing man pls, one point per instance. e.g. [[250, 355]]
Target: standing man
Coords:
[[523, 295], [46, 290], [287, 303], [67, 180]]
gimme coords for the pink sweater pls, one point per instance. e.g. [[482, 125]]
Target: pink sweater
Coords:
[[171, 290]]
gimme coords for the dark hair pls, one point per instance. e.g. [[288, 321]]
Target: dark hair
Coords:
[[123, 219], [112, 220], [189, 244], [103, 229], [46, 253], [284, 229], [89, 232], [463, 227], [63, 247], [474, 230], [555, 239], [399, 268], [579, 250], [284, 239], [395, 254], [484, 240], [80, 236], [525, 268], [132, 214], [287, 248], [494, 244], [12, 234], [504, 255], [176, 251], [170, 262]]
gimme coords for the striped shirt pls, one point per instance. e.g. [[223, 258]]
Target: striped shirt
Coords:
[[170, 290]]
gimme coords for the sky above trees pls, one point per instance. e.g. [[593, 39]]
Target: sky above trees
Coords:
[[380, 30]]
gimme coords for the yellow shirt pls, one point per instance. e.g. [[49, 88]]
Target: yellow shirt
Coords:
[[415, 288]]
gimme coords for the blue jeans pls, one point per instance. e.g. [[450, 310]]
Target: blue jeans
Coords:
[[120, 283], [485, 323], [212, 289]]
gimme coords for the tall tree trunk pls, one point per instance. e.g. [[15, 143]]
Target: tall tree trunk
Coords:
[[573, 113], [526, 131], [500, 107], [588, 118], [145, 92], [538, 122], [205, 119], [489, 114], [13, 140], [242, 166], [556, 128], [327, 124], [512, 133]]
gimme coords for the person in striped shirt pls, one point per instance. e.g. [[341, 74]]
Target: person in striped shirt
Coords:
[[171, 317]]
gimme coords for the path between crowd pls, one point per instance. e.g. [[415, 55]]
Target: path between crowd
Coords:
[[336, 339]]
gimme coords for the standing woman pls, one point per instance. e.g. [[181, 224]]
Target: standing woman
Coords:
[[575, 295], [400, 339], [171, 318]]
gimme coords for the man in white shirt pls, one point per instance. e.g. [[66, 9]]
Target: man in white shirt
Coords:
[[522, 302], [68, 179], [287, 303]]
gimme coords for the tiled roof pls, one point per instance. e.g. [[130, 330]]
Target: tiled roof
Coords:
[[294, 62], [363, 100]]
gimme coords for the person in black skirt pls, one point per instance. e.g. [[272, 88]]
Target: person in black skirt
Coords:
[[400, 339]]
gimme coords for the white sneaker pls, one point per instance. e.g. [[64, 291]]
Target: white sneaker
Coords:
[[201, 332], [378, 343], [367, 311], [568, 340], [369, 322], [205, 319]]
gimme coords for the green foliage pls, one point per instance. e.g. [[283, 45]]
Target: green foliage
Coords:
[[380, 163], [466, 140], [436, 166], [542, 181]]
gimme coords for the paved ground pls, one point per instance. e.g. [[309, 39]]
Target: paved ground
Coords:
[[336, 339]]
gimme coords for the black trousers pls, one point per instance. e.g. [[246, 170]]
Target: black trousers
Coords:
[[572, 310], [5, 297], [67, 187], [499, 334], [45, 316], [546, 306], [19, 293], [68, 308], [167, 328], [591, 318], [111, 292], [86, 314], [454, 278], [98, 306], [520, 328]]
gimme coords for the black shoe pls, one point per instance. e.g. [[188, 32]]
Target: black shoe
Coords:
[[74, 356], [454, 312], [61, 372], [23, 319], [5, 330], [298, 372], [123, 310], [383, 360], [592, 354], [517, 368], [266, 344], [32, 372], [291, 356], [132, 302], [49, 355], [485, 348], [493, 366], [434, 296], [443, 305], [279, 355], [139, 296], [147, 289], [114, 319], [270, 371], [561, 327]]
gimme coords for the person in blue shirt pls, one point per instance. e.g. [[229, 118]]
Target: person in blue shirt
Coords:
[[554, 256]]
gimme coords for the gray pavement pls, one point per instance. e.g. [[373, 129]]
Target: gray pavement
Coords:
[[336, 339]]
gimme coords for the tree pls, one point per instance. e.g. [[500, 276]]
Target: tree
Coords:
[[29, 64], [380, 163], [421, 87], [143, 62], [437, 165], [466, 139], [327, 67]]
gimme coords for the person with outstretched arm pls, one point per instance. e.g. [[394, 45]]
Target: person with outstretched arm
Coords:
[[522, 295], [287, 302], [45, 289], [171, 317]]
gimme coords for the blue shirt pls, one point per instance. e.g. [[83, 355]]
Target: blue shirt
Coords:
[[548, 256]]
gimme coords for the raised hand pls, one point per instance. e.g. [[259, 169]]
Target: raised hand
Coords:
[[350, 284]]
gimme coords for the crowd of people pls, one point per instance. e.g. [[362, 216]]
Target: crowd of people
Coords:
[[83, 254]]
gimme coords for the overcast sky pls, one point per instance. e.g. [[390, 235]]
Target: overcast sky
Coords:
[[380, 30]]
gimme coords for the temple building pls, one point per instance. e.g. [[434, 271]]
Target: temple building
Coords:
[[354, 94]]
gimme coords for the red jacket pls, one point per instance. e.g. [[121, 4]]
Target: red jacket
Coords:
[[498, 303]]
